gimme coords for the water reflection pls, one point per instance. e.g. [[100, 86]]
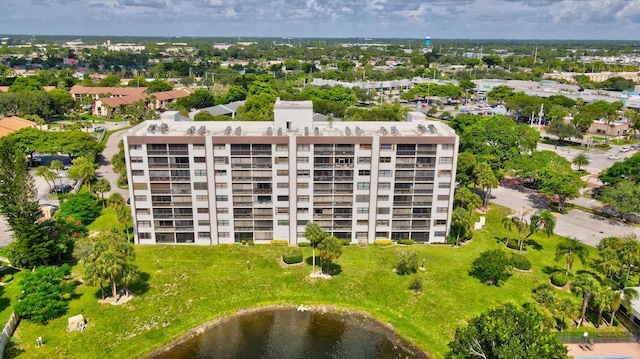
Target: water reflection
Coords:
[[287, 333]]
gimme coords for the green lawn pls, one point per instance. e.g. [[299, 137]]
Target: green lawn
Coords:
[[198, 284]]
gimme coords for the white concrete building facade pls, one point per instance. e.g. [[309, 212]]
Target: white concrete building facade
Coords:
[[227, 182]]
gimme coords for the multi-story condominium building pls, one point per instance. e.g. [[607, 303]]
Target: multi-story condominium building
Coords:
[[225, 182]]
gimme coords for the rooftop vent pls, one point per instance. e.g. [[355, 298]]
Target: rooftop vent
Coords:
[[358, 131], [202, 130], [316, 131], [191, 131], [421, 128], [347, 131], [306, 131], [279, 131], [432, 129], [384, 131], [227, 131], [238, 131], [270, 131], [164, 128], [152, 129], [394, 131]]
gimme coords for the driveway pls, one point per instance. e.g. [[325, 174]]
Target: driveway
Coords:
[[105, 169]]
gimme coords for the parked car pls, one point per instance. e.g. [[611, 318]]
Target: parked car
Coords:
[[60, 189], [614, 157], [633, 147], [625, 149], [35, 162], [98, 129]]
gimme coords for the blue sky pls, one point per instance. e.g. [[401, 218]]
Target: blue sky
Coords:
[[477, 19]]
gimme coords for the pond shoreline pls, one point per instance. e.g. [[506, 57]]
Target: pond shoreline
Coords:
[[370, 320]]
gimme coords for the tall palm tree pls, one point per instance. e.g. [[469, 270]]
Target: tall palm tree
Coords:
[[315, 235], [522, 224], [508, 224], [610, 262], [460, 222], [565, 307], [581, 159], [102, 186], [57, 166], [584, 285], [570, 248], [601, 300], [330, 250], [624, 296], [543, 219], [486, 179], [629, 253], [45, 173]]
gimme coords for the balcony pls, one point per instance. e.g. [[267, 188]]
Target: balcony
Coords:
[[405, 153]]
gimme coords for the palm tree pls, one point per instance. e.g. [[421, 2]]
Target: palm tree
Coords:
[[584, 285], [45, 173], [624, 296], [486, 179], [522, 225], [467, 199], [102, 186], [57, 165], [543, 219], [565, 307], [601, 300], [314, 234], [330, 250], [581, 159], [123, 215], [508, 224], [629, 253], [570, 248], [116, 200], [460, 222], [610, 262]]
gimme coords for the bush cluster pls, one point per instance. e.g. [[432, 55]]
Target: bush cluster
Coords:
[[292, 256], [304, 244], [279, 242], [408, 262], [416, 285], [519, 261], [406, 241], [559, 279], [245, 242], [344, 242], [382, 242]]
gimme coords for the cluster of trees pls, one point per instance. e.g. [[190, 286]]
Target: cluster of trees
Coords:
[[34, 100], [330, 247], [622, 186], [73, 143]]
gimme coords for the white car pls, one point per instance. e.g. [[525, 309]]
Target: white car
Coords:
[[614, 157], [625, 149]]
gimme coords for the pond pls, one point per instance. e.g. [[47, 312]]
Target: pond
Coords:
[[288, 333]]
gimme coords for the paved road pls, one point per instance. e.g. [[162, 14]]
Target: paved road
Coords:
[[105, 169], [598, 158]]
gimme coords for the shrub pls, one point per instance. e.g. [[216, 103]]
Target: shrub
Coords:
[[406, 241], [7, 278], [408, 262], [304, 244], [251, 242], [520, 262], [382, 242], [344, 242], [292, 255], [491, 267], [603, 146], [416, 285], [279, 242], [559, 279]]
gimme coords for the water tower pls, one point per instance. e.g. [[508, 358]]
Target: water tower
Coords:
[[427, 43]]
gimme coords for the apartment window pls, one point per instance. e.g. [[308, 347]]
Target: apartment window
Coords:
[[444, 184], [382, 235], [362, 198], [203, 210], [382, 222], [222, 198], [386, 146], [282, 210], [282, 185], [223, 235], [200, 146], [135, 147], [385, 159], [144, 224], [303, 199], [303, 159], [200, 172], [144, 235], [384, 185], [383, 198], [220, 172], [200, 185], [204, 235], [283, 198], [137, 172], [202, 198], [140, 198], [441, 222], [384, 210], [199, 160], [443, 197], [385, 173], [303, 173], [302, 222], [444, 173], [282, 160], [362, 210], [221, 185], [303, 210], [221, 160], [283, 222], [364, 160], [223, 222], [447, 146], [204, 222], [282, 147], [136, 159], [363, 185], [446, 160], [362, 222], [439, 233], [442, 210], [143, 211], [303, 185], [364, 172], [365, 147], [303, 147], [283, 172], [222, 210]]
